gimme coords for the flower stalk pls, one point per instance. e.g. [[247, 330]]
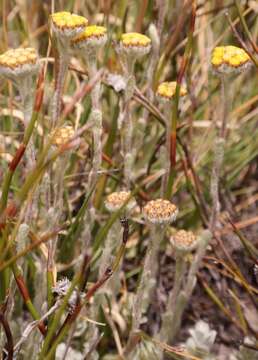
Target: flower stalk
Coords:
[[22, 148], [224, 60], [158, 214], [65, 26], [131, 47], [172, 319], [88, 44]]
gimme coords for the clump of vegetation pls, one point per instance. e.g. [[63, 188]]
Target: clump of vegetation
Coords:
[[128, 180]]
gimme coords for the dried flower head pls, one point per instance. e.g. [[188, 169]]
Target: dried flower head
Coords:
[[166, 90], [184, 240], [67, 25], [17, 63], [160, 211], [135, 44], [116, 200], [62, 135], [61, 288], [92, 37], [226, 59]]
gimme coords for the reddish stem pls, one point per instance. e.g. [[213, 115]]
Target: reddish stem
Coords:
[[17, 157]]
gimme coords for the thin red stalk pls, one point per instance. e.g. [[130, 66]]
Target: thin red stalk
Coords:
[[26, 297]]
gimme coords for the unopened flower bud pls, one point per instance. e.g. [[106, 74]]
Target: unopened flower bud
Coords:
[[184, 240]]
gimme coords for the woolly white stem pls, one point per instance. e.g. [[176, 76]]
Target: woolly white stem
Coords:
[[187, 290], [111, 243], [219, 150], [148, 276], [127, 130], [96, 119], [59, 85], [164, 182], [25, 86]]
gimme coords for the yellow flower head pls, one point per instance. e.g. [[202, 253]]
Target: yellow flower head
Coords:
[[62, 135], [184, 240], [19, 62], [167, 90], [135, 39], [160, 211], [225, 59], [92, 36], [66, 24], [116, 200], [135, 44]]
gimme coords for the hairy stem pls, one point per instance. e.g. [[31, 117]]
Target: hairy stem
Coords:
[[186, 292], [148, 276], [62, 67], [164, 183], [127, 126], [172, 299], [219, 154]]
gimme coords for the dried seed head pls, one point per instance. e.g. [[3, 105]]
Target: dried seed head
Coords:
[[226, 59], [135, 44], [20, 62], [61, 288], [184, 240], [160, 211], [92, 37], [66, 24], [166, 90], [62, 135], [116, 200]]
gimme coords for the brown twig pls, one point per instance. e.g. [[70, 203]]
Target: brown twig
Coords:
[[8, 334], [241, 41]]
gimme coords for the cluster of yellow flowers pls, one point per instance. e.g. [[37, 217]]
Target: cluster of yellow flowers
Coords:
[[224, 58], [17, 57], [167, 90], [65, 20], [135, 39], [62, 135], [21, 61], [229, 58], [18, 62], [91, 31], [94, 36]]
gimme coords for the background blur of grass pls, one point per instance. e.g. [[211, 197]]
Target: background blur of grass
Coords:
[[25, 23]]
